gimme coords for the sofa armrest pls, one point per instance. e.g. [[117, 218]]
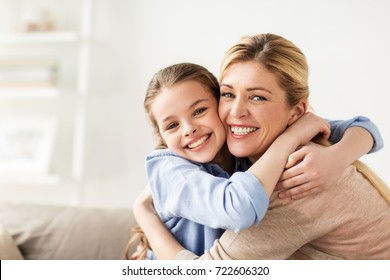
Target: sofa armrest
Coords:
[[8, 248], [67, 233]]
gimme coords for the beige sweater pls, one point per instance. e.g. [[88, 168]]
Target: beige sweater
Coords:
[[350, 220]]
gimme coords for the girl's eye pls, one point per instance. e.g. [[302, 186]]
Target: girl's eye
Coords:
[[227, 95], [172, 126], [199, 111], [258, 98]]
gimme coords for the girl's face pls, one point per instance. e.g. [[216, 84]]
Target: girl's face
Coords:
[[254, 109], [187, 118]]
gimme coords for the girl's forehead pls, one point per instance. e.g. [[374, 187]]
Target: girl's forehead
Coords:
[[180, 98]]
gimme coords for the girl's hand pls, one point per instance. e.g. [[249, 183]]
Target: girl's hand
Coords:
[[309, 170], [307, 127]]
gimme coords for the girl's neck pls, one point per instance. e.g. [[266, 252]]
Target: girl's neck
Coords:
[[225, 160]]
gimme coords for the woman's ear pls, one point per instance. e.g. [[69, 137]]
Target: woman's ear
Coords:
[[297, 112]]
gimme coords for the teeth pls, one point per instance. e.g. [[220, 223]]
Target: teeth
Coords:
[[198, 142], [240, 130]]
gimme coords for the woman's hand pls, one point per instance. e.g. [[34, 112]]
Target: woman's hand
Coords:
[[143, 206], [163, 244]]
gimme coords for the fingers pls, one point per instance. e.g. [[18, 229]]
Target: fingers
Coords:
[[295, 158], [299, 191], [306, 193], [290, 173], [293, 181]]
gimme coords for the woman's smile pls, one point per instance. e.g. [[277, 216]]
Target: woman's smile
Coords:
[[242, 130]]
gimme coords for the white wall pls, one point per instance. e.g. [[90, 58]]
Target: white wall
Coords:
[[347, 44]]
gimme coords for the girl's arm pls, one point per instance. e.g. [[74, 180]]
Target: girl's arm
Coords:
[[181, 188], [316, 167]]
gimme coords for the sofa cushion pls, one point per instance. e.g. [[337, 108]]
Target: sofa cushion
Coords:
[[65, 233], [8, 248]]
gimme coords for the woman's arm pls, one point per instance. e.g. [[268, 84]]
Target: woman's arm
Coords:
[[314, 168]]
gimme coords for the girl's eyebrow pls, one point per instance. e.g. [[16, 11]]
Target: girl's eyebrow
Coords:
[[197, 102], [191, 106], [249, 89]]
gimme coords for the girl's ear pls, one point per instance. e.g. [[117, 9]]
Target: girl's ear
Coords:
[[297, 112]]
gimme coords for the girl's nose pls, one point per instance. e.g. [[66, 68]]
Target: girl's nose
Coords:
[[190, 129]]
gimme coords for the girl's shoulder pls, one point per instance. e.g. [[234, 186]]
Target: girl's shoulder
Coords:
[[161, 153]]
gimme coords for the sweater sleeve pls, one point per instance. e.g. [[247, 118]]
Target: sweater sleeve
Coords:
[[338, 127], [277, 237], [181, 188]]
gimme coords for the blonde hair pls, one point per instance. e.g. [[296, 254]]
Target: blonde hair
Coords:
[[166, 78], [172, 75], [138, 238], [374, 179]]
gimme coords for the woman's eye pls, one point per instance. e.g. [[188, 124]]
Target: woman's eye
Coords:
[[227, 95], [199, 111], [258, 98], [172, 126]]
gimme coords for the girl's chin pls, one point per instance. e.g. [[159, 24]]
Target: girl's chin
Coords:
[[201, 159]]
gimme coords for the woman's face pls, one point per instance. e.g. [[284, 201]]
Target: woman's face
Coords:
[[188, 121], [253, 108]]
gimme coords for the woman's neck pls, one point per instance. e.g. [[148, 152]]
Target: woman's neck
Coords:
[[225, 160]]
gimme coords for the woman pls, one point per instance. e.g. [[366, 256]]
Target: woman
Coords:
[[350, 219]]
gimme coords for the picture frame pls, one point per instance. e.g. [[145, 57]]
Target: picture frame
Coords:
[[26, 145]]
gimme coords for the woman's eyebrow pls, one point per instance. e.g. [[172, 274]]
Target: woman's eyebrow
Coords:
[[259, 88], [226, 85], [248, 89]]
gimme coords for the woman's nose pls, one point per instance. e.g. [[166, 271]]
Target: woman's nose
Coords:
[[238, 108]]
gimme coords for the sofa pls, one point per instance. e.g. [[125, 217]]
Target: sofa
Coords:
[[44, 232]]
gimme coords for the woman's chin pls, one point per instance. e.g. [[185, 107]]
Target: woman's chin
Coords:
[[239, 151]]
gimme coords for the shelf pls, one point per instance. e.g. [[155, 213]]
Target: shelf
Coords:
[[39, 37], [29, 179], [29, 93]]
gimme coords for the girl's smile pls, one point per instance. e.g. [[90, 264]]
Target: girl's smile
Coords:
[[199, 142]]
